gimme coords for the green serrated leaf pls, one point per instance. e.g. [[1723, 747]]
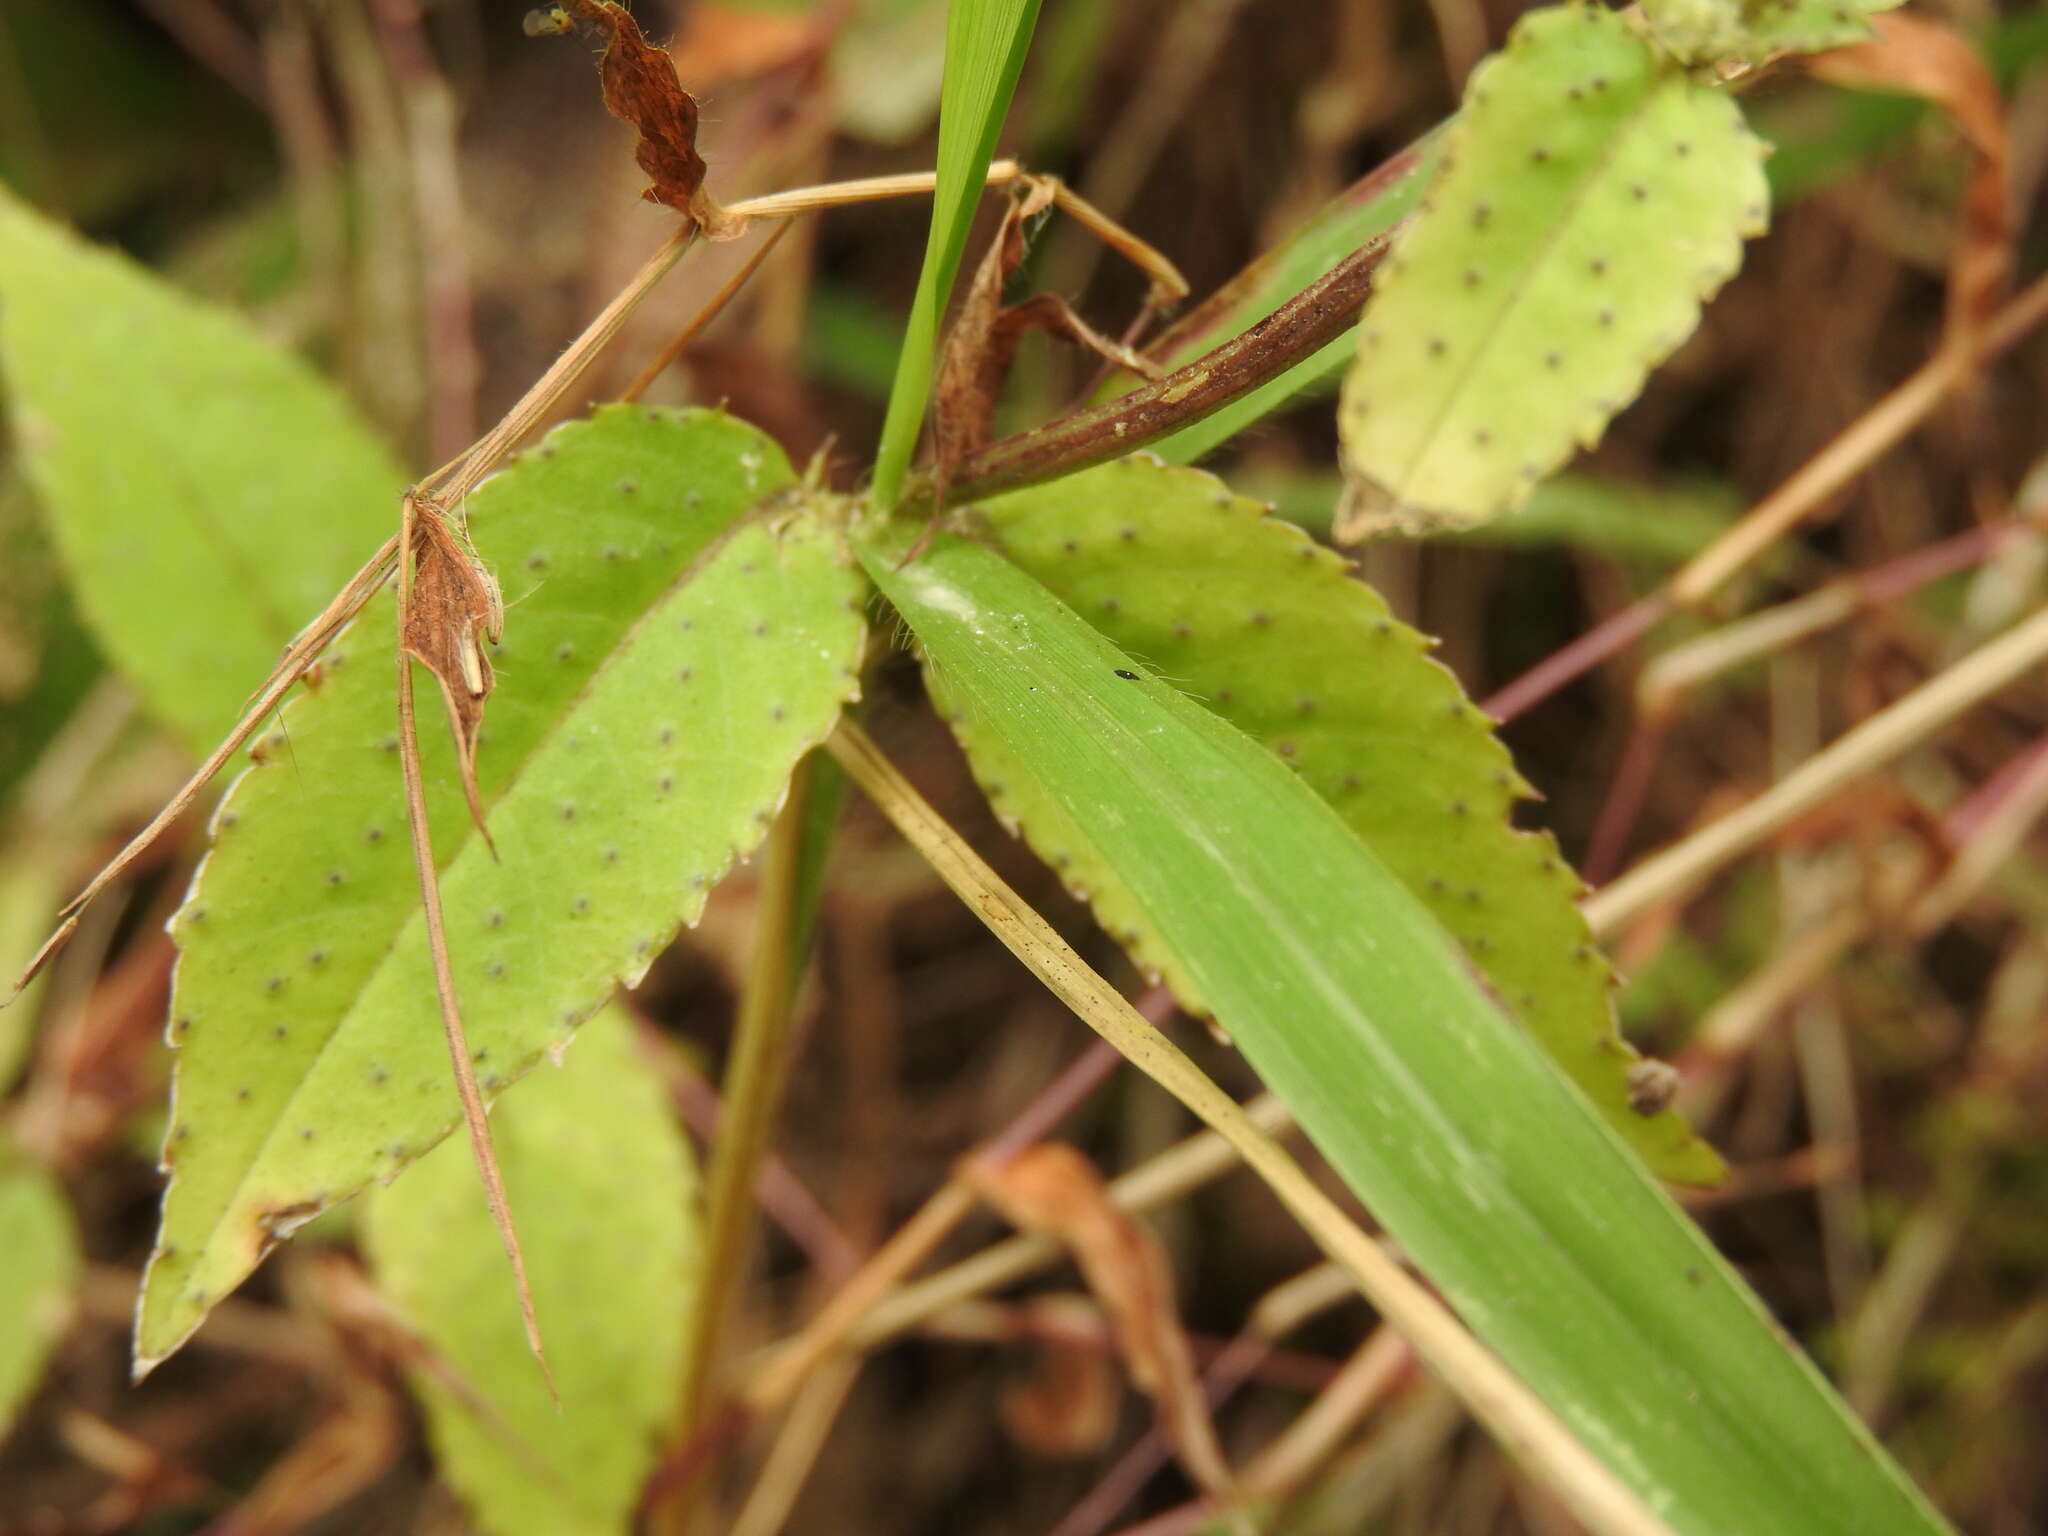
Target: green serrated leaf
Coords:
[[1592, 197], [39, 1269], [664, 665], [1753, 32], [1267, 628], [606, 1192], [206, 491], [1351, 1002]]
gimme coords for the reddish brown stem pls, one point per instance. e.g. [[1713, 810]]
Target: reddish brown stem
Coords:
[[1609, 637], [1625, 798], [1297, 329]]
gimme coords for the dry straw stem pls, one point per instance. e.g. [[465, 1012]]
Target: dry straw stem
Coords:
[[1514, 1415], [1186, 1166], [1859, 445], [751, 1093], [300, 656], [1669, 875], [679, 343], [831, 1329], [444, 981], [1668, 677], [1167, 281], [802, 1436]]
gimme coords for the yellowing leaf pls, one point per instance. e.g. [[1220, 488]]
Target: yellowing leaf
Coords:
[[1592, 196]]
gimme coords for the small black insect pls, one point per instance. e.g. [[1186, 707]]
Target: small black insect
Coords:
[[1120, 672]]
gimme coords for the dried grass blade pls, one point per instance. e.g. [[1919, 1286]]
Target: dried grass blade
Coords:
[[473, 1113]]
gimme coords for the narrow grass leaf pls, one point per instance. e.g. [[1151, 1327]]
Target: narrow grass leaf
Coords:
[[665, 661], [607, 1196], [206, 491], [1488, 1168], [985, 45], [1592, 197], [39, 1275], [1251, 618], [1653, 523]]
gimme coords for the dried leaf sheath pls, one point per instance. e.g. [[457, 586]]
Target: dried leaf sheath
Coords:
[[452, 607], [983, 342]]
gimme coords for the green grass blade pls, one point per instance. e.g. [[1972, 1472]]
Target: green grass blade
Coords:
[[985, 45], [607, 1198], [666, 660], [1488, 1168], [1270, 631], [206, 492]]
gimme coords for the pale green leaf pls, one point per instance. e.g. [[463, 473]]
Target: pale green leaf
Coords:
[[1592, 197], [39, 1273], [1250, 617], [606, 1193], [1487, 1167], [207, 492], [663, 666], [985, 45], [1753, 32]]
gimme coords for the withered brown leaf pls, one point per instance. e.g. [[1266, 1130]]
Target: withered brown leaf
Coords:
[[1924, 58], [453, 607], [1051, 1188], [641, 88], [982, 343]]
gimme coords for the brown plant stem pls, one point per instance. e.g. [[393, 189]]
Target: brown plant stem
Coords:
[[1305, 323], [679, 343]]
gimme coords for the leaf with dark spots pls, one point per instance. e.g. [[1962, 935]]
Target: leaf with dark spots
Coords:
[[452, 608]]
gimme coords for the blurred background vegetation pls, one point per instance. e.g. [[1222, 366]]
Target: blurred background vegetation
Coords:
[[428, 205]]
